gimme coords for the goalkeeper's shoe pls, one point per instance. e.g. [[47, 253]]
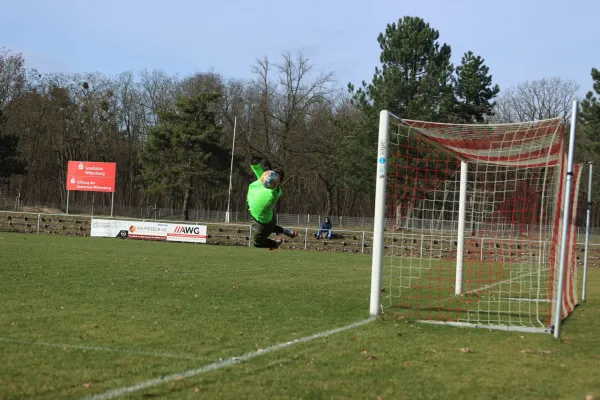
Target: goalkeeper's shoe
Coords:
[[290, 233], [278, 243]]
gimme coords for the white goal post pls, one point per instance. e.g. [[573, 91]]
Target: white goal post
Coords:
[[475, 224]]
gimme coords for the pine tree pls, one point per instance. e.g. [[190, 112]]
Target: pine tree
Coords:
[[590, 110], [184, 148], [414, 80], [474, 89], [588, 134]]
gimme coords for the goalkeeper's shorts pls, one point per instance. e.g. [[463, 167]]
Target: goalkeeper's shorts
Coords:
[[261, 233]]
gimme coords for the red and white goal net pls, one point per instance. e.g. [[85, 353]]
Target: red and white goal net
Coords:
[[474, 222]]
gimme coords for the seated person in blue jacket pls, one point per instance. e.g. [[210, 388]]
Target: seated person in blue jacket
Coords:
[[325, 227]]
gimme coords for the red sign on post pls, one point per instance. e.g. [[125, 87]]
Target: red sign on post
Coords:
[[91, 176]]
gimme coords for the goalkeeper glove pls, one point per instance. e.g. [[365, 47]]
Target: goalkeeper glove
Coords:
[[255, 160], [268, 165]]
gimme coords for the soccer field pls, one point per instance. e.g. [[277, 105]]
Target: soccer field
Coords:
[[162, 307], [130, 319]]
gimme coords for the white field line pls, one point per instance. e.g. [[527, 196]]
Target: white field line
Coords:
[[491, 285], [529, 300], [501, 282], [220, 364], [97, 348]]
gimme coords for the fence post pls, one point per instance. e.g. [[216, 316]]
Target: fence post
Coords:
[[421, 251], [482, 250], [305, 238], [38, 224], [363, 243], [308, 219], [250, 237]]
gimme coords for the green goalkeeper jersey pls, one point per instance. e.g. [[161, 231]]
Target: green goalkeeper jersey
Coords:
[[262, 201]]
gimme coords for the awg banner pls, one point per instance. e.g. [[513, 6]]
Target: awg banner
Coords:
[[91, 176], [148, 230]]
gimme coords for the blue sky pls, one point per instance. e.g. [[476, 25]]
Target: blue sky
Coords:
[[520, 40]]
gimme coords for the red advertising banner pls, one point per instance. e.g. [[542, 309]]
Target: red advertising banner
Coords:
[[91, 176]]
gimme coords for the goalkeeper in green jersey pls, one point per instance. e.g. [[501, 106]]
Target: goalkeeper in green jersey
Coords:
[[263, 195]]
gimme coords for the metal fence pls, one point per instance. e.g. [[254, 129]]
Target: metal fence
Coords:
[[357, 240], [87, 208], [286, 219], [345, 222]]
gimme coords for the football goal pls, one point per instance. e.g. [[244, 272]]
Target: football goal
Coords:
[[475, 223]]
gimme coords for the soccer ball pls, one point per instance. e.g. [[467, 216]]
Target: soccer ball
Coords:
[[270, 179]]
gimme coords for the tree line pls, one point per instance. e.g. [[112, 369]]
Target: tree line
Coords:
[[172, 136]]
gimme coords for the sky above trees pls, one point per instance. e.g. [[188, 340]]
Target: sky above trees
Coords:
[[520, 40], [312, 112]]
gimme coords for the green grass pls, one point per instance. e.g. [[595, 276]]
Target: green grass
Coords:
[[203, 303]]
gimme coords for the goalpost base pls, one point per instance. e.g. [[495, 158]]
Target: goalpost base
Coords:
[[491, 327]]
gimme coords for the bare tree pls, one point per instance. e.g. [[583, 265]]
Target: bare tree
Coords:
[[132, 122], [285, 97], [159, 91], [289, 111], [284, 103], [12, 77], [536, 100]]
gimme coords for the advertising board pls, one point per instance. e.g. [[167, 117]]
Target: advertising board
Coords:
[[91, 176], [144, 230]]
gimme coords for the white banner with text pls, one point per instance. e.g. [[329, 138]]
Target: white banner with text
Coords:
[[145, 230]]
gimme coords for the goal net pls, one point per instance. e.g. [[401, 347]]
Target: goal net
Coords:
[[473, 223]]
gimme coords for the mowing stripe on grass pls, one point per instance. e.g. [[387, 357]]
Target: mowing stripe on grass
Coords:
[[220, 364], [96, 348]]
